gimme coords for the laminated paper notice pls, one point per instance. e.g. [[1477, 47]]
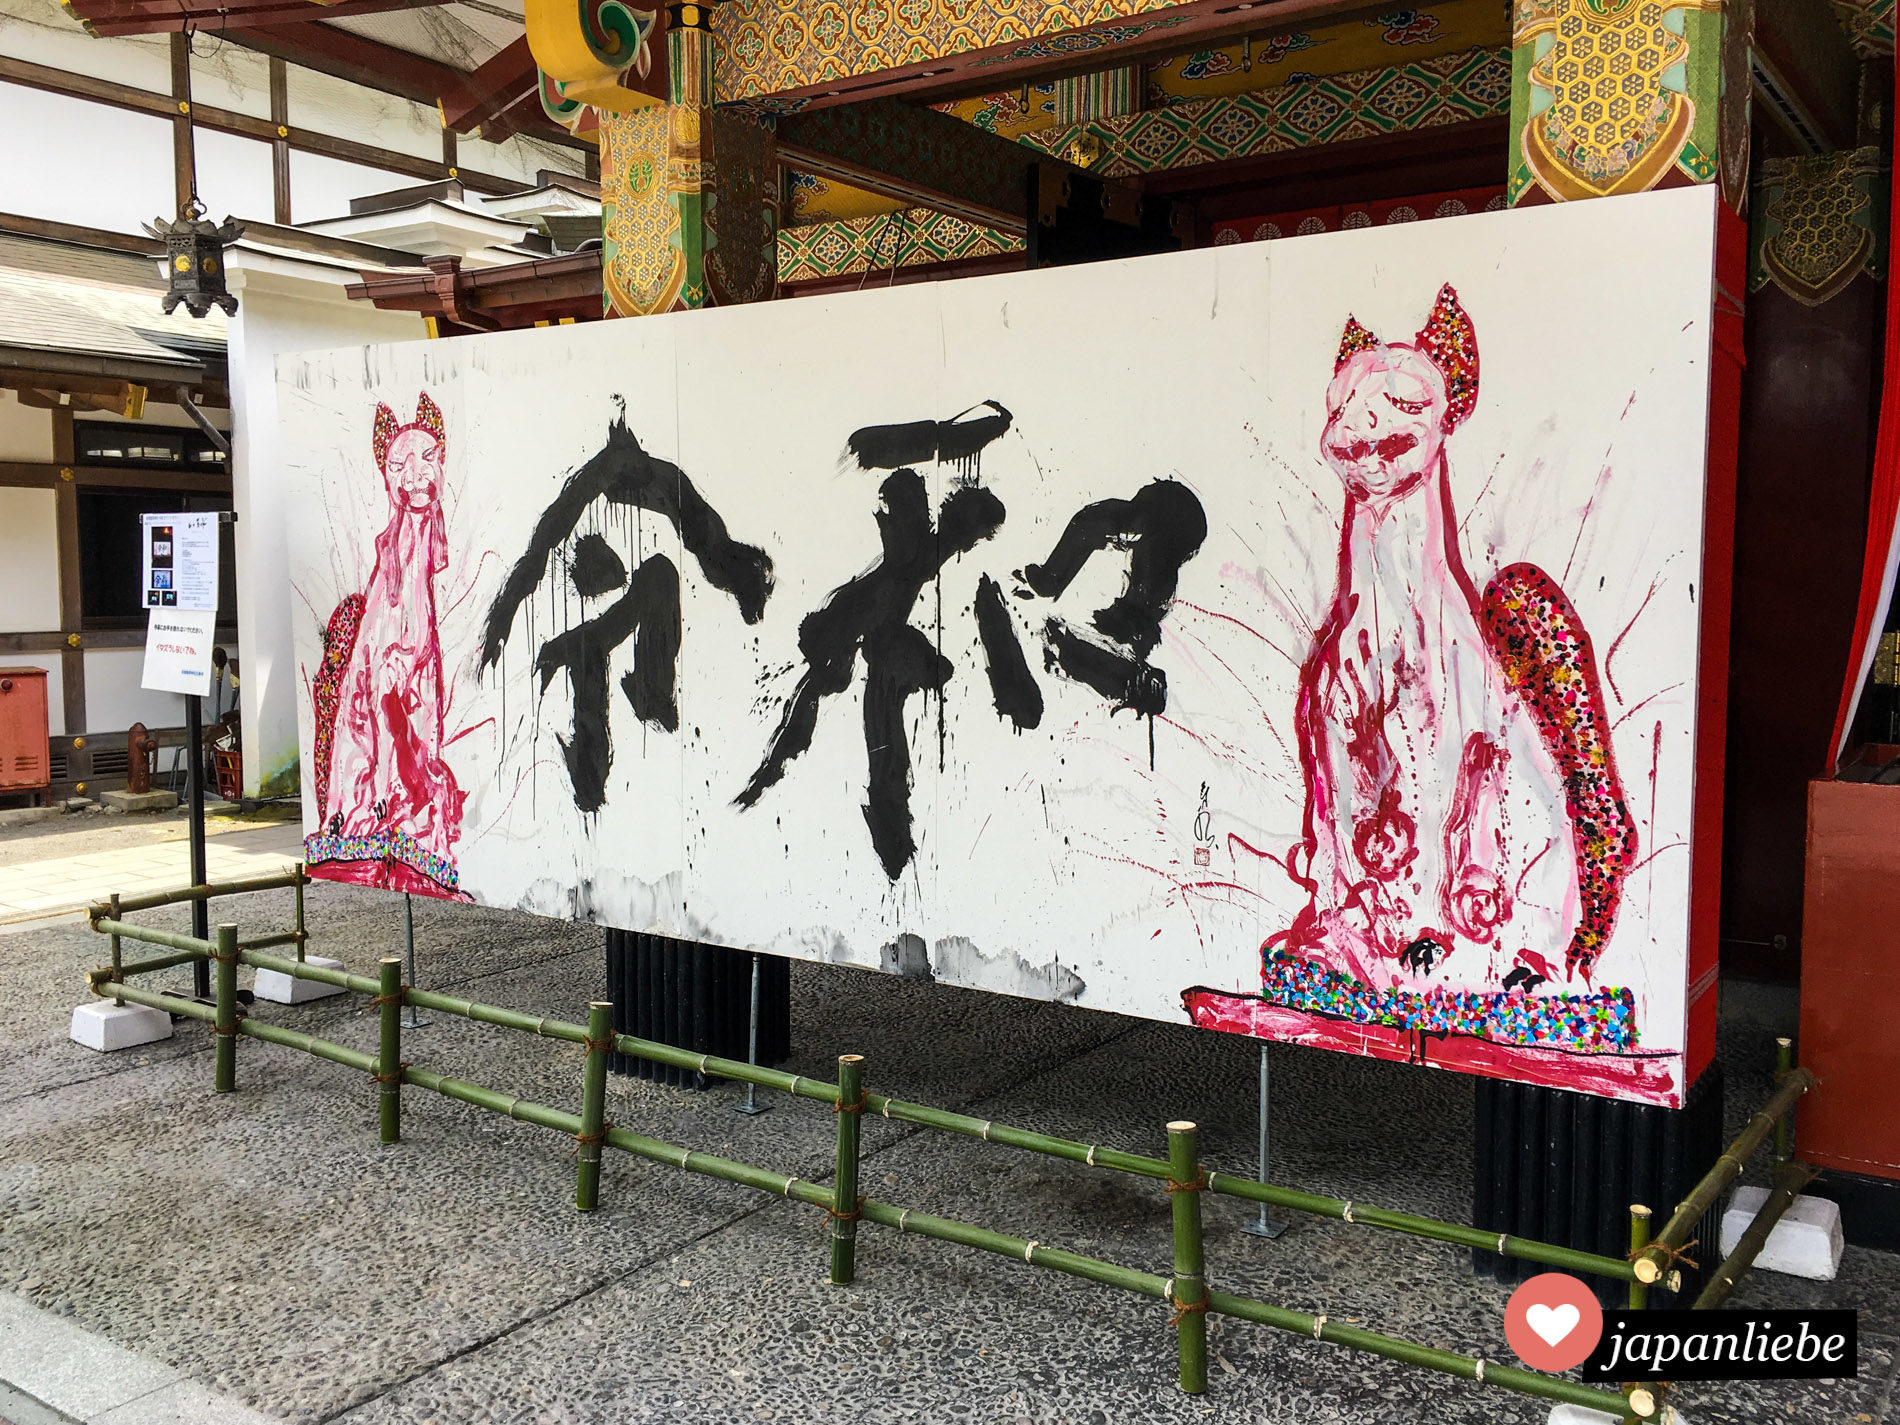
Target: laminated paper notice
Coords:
[[178, 651]]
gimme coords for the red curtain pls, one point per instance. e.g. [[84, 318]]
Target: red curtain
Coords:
[[1883, 535]]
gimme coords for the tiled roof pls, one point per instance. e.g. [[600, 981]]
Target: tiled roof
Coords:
[[57, 297]]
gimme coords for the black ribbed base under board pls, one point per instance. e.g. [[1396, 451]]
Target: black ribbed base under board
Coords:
[[696, 997], [1564, 1168]]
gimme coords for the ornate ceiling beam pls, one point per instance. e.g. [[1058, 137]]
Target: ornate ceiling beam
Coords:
[[786, 56]]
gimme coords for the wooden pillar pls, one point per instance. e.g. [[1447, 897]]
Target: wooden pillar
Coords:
[[184, 163], [280, 146], [72, 657], [1622, 99], [689, 192], [451, 158]]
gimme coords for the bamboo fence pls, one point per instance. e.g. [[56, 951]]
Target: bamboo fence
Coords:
[[1186, 1290]]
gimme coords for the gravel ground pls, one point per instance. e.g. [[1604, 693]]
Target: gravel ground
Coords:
[[266, 1244]]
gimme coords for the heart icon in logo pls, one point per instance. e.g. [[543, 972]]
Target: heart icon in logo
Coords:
[[1553, 1323]]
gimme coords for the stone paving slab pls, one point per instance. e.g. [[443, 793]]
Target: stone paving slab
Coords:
[[31, 889], [69, 1374]]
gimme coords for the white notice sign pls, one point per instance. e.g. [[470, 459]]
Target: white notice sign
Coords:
[[181, 562], [178, 650]]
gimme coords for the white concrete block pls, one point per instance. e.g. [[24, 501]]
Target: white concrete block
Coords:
[[1805, 1243], [279, 988], [1577, 1415], [100, 1024]]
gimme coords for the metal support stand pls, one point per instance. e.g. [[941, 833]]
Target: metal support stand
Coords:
[[1263, 1226], [195, 765], [752, 1104], [411, 1020]]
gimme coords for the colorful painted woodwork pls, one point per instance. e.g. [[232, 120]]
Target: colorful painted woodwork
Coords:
[[688, 192], [1869, 25], [1349, 217], [769, 46], [1399, 35], [1448, 89], [1620, 96], [1815, 225], [916, 237], [583, 48]]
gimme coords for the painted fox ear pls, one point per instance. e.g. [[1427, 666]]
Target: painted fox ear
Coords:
[[1451, 342], [1354, 339], [429, 415], [381, 433]]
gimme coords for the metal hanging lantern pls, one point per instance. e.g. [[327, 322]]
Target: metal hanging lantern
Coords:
[[194, 246], [194, 260]]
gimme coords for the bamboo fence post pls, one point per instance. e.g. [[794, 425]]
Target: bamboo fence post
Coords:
[[388, 1076], [1188, 1291], [118, 962], [302, 934], [845, 1207], [224, 1072], [600, 1038], [1784, 1126], [1639, 1239]]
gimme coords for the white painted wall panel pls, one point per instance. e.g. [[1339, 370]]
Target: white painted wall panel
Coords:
[[1358, 619]]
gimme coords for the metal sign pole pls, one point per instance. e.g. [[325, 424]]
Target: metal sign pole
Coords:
[[195, 773], [752, 1104], [411, 1020], [1263, 1226]]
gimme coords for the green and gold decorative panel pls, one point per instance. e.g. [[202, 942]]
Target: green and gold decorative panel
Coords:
[[915, 237], [1618, 96], [1447, 89], [1869, 25], [1815, 224], [769, 46]]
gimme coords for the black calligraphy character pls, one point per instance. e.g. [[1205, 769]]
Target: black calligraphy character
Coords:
[[872, 613], [649, 613], [1162, 528], [623, 474]]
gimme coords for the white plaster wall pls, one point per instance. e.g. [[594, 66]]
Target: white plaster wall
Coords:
[[25, 433], [114, 699], [29, 561], [282, 309]]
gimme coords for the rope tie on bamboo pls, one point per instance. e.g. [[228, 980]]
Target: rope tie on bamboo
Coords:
[[1183, 1309], [854, 1215], [1198, 1185], [378, 1001], [598, 1046], [1673, 1256], [593, 1140], [857, 1107], [394, 1077]]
